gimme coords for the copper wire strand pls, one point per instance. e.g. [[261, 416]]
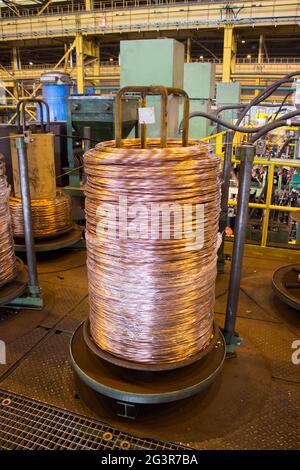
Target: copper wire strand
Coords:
[[8, 267], [151, 301], [49, 216]]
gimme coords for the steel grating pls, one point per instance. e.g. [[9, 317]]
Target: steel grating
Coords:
[[32, 425]]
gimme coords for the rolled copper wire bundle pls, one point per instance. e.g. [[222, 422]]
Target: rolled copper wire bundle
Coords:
[[8, 268], [151, 299], [50, 217]]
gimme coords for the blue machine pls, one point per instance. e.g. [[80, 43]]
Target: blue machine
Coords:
[[56, 88]]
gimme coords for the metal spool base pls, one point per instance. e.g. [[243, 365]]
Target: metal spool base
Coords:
[[140, 387], [65, 240], [15, 288], [288, 295]]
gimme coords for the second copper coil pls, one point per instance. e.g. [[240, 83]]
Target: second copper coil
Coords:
[[50, 217], [8, 268]]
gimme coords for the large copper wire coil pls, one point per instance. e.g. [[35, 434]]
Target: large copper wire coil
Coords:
[[151, 300], [50, 217], [8, 267]]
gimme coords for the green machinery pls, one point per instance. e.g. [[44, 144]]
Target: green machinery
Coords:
[[92, 117], [147, 62], [199, 83], [228, 94]]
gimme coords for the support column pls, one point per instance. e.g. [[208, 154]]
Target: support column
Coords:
[[188, 50], [96, 65], [260, 58], [16, 65], [89, 5], [79, 63], [229, 54]]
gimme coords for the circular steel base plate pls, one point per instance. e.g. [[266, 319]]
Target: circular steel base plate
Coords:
[[118, 361], [134, 386], [288, 295], [68, 239], [15, 288]]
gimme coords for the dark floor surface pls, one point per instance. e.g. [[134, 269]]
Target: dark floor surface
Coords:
[[254, 404]]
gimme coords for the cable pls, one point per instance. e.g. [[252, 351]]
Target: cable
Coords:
[[69, 171], [77, 137], [246, 130], [267, 92], [282, 104], [285, 145], [273, 125]]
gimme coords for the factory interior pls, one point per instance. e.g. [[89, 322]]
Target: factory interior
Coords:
[[149, 225]]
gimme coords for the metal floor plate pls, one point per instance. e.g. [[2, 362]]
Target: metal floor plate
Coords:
[[277, 427], [254, 404], [18, 348], [31, 425], [46, 375]]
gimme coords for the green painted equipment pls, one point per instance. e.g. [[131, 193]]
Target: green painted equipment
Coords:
[[148, 62], [199, 83], [97, 113], [228, 94]]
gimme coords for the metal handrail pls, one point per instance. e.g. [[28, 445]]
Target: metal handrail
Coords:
[[105, 5]]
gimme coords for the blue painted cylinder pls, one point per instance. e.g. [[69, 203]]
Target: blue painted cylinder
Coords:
[[56, 97]]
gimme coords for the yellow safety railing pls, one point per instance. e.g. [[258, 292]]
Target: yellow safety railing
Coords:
[[216, 141]]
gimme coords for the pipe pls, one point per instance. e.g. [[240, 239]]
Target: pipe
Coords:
[[225, 192], [247, 130], [26, 207], [275, 124], [247, 154], [267, 92]]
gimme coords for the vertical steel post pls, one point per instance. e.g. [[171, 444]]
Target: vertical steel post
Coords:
[[79, 63], [229, 54], [87, 135], [247, 153], [225, 193], [26, 207]]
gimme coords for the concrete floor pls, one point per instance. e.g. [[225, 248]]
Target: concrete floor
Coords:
[[254, 404]]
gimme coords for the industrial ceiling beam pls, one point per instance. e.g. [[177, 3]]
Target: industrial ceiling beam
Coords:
[[207, 49], [12, 6], [44, 7]]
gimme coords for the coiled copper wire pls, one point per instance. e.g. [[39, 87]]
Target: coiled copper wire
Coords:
[[151, 301], [50, 217], [8, 267]]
